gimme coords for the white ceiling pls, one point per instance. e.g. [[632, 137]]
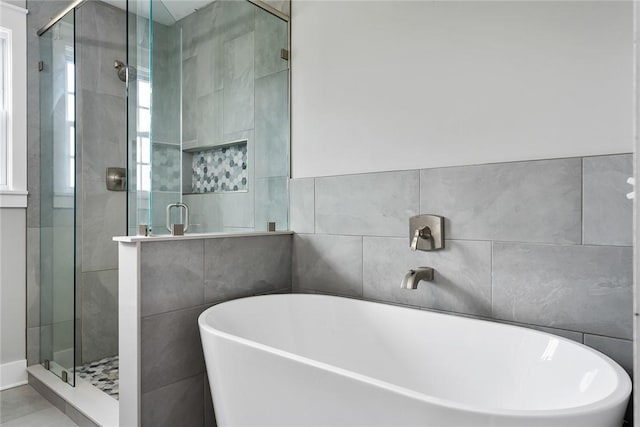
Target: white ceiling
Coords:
[[165, 12]]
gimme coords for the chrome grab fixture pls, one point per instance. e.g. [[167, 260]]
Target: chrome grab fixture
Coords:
[[178, 229], [426, 233], [413, 277]]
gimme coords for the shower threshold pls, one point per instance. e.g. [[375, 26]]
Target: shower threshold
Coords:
[[85, 404]]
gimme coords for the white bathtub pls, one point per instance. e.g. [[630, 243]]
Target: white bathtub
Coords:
[[297, 360]]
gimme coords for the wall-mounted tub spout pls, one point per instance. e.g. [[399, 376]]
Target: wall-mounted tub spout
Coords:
[[413, 277]]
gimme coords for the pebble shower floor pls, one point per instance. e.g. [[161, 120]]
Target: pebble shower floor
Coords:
[[102, 374]]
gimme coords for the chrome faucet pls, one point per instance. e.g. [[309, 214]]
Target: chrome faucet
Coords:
[[413, 277]]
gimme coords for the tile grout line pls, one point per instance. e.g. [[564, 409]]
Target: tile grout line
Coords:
[[582, 200], [491, 257]]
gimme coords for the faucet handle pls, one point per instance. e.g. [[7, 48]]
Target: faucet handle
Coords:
[[426, 232], [421, 233]]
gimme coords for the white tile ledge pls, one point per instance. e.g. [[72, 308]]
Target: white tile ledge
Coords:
[[165, 238], [93, 403]]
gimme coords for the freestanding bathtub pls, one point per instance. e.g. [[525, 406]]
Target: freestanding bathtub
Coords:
[[313, 360]]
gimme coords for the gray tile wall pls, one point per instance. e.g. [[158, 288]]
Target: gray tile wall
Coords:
[[179, 280], [542, 244], [234, 86], [101, 142]]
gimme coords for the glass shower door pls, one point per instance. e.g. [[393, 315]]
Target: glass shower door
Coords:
[[57, 198]]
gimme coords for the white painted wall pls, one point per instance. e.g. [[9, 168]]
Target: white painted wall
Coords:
[[13, 201], [392, 85], [13, 326]]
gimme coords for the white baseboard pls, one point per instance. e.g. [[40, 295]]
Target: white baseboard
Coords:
[[13, 374]]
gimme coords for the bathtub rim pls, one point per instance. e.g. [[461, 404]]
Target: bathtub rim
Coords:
[[621, 392]]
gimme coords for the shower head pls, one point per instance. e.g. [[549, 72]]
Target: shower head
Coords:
[[122, 70]]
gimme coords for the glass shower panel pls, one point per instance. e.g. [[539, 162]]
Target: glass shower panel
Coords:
[[139, 61], [219, 128], [235, 126], [57, 198]]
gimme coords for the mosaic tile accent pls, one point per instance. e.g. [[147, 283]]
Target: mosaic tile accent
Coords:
[[102, 374], [166, 167], [220, 169]]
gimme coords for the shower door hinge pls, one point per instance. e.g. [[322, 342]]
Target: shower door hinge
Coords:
[[65, 376], [284, 54], [40, 65], [46, 365]]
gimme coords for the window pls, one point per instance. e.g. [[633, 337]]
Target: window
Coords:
[[5, 106], [13, 111], [143, 149], [70, 116]]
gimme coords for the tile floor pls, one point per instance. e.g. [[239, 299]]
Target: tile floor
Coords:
[[102, 374], [25, 407]]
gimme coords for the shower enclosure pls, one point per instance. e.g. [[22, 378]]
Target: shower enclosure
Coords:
[[190, 101]]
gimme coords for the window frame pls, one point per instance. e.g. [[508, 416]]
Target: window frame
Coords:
[[13, 25], [6, 131]]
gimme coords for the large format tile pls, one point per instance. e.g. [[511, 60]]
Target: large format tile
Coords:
[[238, 208], [581, 288], [325, 263], [103, 124], [607, 213], [167, 67], [178, 404], [45, 417], [302, 205], [33, 176], [99, 315], [272, 202], [170, 348], [537, 201], [189, 98], [33, 346], [462, 279], [238, 102], [242, 266], [209, 119], [171, 275], [33, 277], [100, 39], [20, 401], [619, 350], [271, 37], [205, 212], [103, 217], [272, 125], [237, 19], [376, 204], [210, 48]]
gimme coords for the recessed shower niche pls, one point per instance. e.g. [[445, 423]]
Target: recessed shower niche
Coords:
[[221, 169]]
